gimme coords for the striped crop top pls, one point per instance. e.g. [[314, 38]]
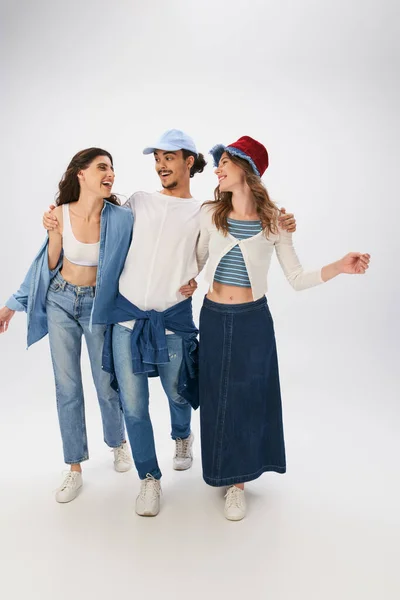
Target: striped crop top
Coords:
[[232, 269]]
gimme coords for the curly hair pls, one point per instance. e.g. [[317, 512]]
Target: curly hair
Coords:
[[199, 162]]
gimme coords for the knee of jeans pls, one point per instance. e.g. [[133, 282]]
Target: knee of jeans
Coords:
[[135, 408], [179, 400], [68, 383]]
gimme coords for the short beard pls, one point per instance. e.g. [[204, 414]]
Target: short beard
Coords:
[[170, 186]]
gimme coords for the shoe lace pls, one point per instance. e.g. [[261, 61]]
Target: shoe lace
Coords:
[[182, 447], [123, 454], [69, 480], [234, 497], [150, 488]]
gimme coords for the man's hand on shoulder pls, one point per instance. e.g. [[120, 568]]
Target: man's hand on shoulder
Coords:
[[287, 221]]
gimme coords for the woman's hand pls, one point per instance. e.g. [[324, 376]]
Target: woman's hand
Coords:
[[287, 221], [189, 289], [354, 263], [6, 314], [50, 221]]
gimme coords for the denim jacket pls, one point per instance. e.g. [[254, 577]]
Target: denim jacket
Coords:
[[149, 344], [116, 225]]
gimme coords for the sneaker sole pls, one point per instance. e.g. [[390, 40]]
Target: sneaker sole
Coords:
[[71, 499], [146, 514], [234, 518], [122, 470], [178, 468]]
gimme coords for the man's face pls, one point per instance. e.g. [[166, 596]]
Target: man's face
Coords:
[[171, 168]]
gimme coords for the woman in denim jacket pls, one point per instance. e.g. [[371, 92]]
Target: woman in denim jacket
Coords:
[[58, 296], [240, 401]]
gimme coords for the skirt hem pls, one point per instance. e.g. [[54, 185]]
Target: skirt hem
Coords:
[[220, 482]]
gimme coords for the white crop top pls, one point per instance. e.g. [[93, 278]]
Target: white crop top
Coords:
[[78, 253]]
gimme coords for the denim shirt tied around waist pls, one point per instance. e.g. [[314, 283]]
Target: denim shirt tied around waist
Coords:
[[149, 343], [115, 237]]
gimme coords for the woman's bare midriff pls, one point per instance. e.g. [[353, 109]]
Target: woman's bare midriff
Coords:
[[230, 294], [77, 275]]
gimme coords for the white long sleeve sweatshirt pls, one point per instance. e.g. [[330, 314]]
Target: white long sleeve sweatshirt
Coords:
[[162, 255]]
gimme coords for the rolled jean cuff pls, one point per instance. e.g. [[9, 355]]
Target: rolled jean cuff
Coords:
[[76, 462]]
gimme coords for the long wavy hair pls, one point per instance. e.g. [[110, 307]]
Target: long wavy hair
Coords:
[[69, 187], [265, 207]]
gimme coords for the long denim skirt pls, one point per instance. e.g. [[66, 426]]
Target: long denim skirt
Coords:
[[240, 399]]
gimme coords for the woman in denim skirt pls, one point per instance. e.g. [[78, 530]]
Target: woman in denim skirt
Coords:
[[60, 300], [240, 401]]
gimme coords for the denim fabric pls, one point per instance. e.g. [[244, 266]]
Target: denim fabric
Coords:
[[115, 237], [134, 393], [68, 310], [240, 400], [31, 296], [149, 343]]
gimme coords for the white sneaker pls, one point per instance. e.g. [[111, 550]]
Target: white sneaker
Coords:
[[70, 487], [122, 458], [148, 501], [183, 458], [235, 504]]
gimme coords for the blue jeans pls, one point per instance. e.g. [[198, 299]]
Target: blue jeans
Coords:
[[68, 310], [134, 393]]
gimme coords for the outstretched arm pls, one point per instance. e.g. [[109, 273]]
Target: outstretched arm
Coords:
[[353, 263], [17, 302]]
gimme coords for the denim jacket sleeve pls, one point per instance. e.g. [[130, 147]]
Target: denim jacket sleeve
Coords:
[[19, 300]]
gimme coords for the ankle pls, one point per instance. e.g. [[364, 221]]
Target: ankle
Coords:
[[76, 468]]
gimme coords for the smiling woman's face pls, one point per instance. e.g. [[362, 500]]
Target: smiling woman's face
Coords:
[[98, 177], [229, 175]]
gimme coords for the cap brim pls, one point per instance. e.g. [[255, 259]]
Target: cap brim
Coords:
[[148, 150], [165, 147]]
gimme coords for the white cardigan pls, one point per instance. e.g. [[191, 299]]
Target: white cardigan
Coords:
[[257, 251]]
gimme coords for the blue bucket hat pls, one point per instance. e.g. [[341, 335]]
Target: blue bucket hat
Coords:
[[173, 140]]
